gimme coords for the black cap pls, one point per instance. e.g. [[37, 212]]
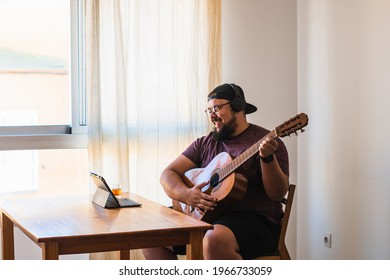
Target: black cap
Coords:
[[232, 92]]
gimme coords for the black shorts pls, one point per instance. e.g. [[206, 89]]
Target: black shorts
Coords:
[[255, 233]]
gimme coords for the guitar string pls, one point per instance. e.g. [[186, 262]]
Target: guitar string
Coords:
[[234, 164]]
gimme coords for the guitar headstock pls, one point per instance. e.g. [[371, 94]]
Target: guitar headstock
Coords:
[[293, 125]]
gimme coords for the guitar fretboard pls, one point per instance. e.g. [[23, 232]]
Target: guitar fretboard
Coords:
[[238, 161]]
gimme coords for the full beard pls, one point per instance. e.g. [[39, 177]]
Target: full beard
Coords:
[[225, 132]]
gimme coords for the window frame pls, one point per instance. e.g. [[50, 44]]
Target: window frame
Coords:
[[74, 135]]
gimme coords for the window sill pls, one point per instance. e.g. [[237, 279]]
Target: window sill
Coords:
[[43, 142]]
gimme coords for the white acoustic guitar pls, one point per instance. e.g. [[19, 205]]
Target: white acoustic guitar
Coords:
[[224, 184]]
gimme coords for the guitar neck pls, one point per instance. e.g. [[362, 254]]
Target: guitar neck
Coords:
[[238, 161]]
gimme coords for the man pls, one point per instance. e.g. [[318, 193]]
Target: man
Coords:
[[251, 226]]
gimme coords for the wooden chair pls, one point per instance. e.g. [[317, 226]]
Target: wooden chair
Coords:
[[281, 253]]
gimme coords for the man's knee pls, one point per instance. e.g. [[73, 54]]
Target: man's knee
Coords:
[[159, 253], [220, 237], [220, 243]]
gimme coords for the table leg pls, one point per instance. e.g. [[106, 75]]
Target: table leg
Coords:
[[195, 247], [125, 254], [50, 250], [7, 238]]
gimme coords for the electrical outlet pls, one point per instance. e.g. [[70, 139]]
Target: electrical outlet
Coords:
[[327, 240]]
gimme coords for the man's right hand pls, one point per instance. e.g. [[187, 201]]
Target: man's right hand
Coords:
[[201, 201]]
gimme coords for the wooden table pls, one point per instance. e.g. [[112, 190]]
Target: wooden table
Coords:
[[75, 225]]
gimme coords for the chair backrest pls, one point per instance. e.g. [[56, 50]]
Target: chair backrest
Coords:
[[281, 252], [288, 201]]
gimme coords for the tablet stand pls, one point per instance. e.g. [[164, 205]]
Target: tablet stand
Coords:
[[101, 197]]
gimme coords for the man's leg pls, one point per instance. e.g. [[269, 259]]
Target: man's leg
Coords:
[[159, 253], [220, 244]]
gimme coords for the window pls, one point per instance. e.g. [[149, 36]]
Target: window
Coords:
[[43, 108], [40, 72]]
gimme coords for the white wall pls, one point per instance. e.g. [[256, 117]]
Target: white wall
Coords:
[[343, 160], [343, 78], [259, 54]]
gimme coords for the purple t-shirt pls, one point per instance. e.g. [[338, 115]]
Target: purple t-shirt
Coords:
[[204, 149]]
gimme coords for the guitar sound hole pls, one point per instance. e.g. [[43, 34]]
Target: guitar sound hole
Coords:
[[214, 181]]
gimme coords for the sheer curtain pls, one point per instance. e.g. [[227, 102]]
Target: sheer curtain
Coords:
[[149, 67]]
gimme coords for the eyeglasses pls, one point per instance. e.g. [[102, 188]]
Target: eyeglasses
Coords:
[[215, 109]]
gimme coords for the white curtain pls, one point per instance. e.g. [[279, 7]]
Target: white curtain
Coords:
[[149, 67]]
